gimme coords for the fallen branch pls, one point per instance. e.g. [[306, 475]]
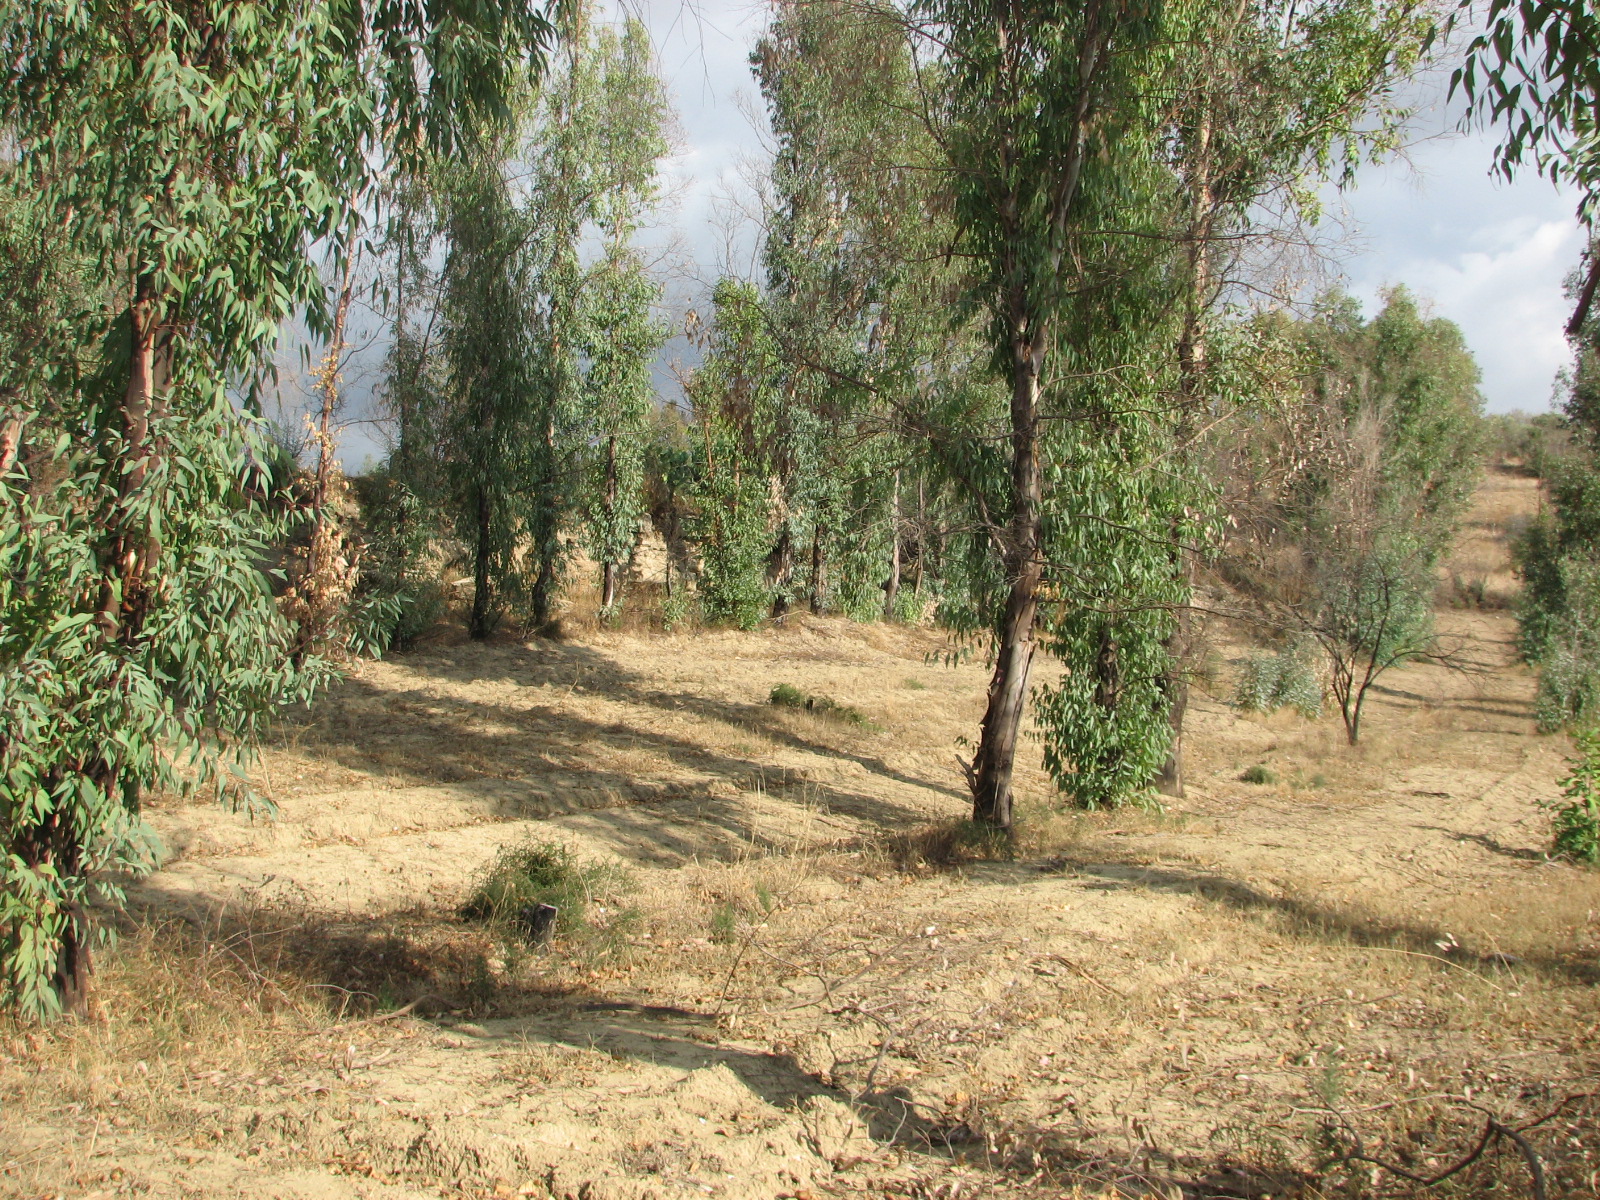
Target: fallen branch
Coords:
[[1494, 1130]]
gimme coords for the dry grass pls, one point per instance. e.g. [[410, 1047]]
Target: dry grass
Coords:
[[1219, 997]]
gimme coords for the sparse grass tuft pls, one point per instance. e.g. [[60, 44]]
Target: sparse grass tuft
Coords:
[[946, 844], [786, 695], [725, 923]]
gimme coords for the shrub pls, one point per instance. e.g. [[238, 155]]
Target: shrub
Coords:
[[675, 610], [1285, 679], [1577, 821], [523, 877], [786, 695], [1560, 618]]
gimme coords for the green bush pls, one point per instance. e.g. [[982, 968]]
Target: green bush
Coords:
[[1560, 622], [534, 873], [786, 695], [725, 923], [675, 610], [1577, 819], [1285, 679]]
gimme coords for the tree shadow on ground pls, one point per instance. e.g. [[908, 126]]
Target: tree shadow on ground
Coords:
[[1322, 922], [1521, 853], [585, 669], [384, 969], [539, 761]]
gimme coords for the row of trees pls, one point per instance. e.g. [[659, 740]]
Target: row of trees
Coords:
[[995, 332], [999, 326]]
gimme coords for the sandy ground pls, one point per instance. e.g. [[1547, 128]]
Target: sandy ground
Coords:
[[1135, 1004]]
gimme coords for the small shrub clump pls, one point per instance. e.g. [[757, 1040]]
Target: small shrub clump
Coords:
[[521, 878], [1285, 679], [786, 695], [1577, 816]]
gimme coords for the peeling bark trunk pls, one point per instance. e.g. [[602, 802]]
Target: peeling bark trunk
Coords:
[[891, 591], [1008, 687], [608, 581], [10, 443]]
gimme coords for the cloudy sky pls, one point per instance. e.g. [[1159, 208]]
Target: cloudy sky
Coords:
[[1488, 255]]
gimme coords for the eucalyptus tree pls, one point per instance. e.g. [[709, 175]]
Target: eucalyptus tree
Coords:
[[620, 334], [486, 345], [860, 288], [1535, 70], [191, 157], [1051, 116], [597, 133], [520, 371], [735, 404], [1272, 98]]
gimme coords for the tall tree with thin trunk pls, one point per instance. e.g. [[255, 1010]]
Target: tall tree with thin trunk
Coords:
[[1274, 99], [1035, 96]]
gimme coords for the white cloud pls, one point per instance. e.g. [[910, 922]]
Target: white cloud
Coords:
[[1507, 299], [1490, 255]]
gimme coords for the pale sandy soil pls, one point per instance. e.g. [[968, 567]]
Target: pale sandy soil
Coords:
[[1170, 1001]]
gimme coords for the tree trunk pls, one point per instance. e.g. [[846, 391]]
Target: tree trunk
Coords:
[[544, 585], [891, 591], [779, 569], [1008, 688], [1191, 369], [10, 442], [1580, 314], [481, 599], [55, 847], [608, 583], [921, 542], [127, 587], [1175, 684], [816, 571], [323, 579]]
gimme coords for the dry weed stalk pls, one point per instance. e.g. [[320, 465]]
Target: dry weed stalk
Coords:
[[323, 574]]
